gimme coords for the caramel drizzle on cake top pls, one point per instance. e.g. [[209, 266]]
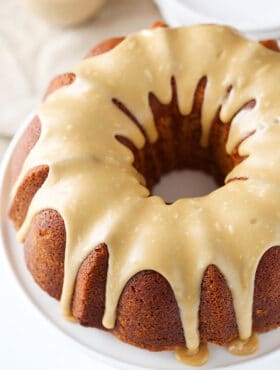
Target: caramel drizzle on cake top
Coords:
[[102, 198]]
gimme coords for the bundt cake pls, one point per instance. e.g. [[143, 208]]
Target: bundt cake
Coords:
[[159, 276]]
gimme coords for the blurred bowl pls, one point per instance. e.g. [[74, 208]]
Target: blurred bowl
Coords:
[[257, 18], [65, 12]]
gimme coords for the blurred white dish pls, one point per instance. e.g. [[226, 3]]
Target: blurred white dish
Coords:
[[256, 17]]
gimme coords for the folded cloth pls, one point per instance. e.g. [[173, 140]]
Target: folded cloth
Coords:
[[33, 51]]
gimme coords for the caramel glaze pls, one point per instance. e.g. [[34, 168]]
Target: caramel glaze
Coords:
[[227, 162], [245, 347], [197, 357]]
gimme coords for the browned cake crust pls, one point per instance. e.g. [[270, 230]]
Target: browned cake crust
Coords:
[[46, 263], [147, 314]]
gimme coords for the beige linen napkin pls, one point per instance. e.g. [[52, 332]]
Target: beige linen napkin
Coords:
[[33, 51]]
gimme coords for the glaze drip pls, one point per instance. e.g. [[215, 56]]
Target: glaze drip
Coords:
[[101, 197], [246, 347], [197, 357]]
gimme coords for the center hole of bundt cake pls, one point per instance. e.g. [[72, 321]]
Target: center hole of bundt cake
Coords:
[[184, 183], [178, 147]]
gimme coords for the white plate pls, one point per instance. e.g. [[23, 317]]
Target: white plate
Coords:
[[255, 17], [99, 344]]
